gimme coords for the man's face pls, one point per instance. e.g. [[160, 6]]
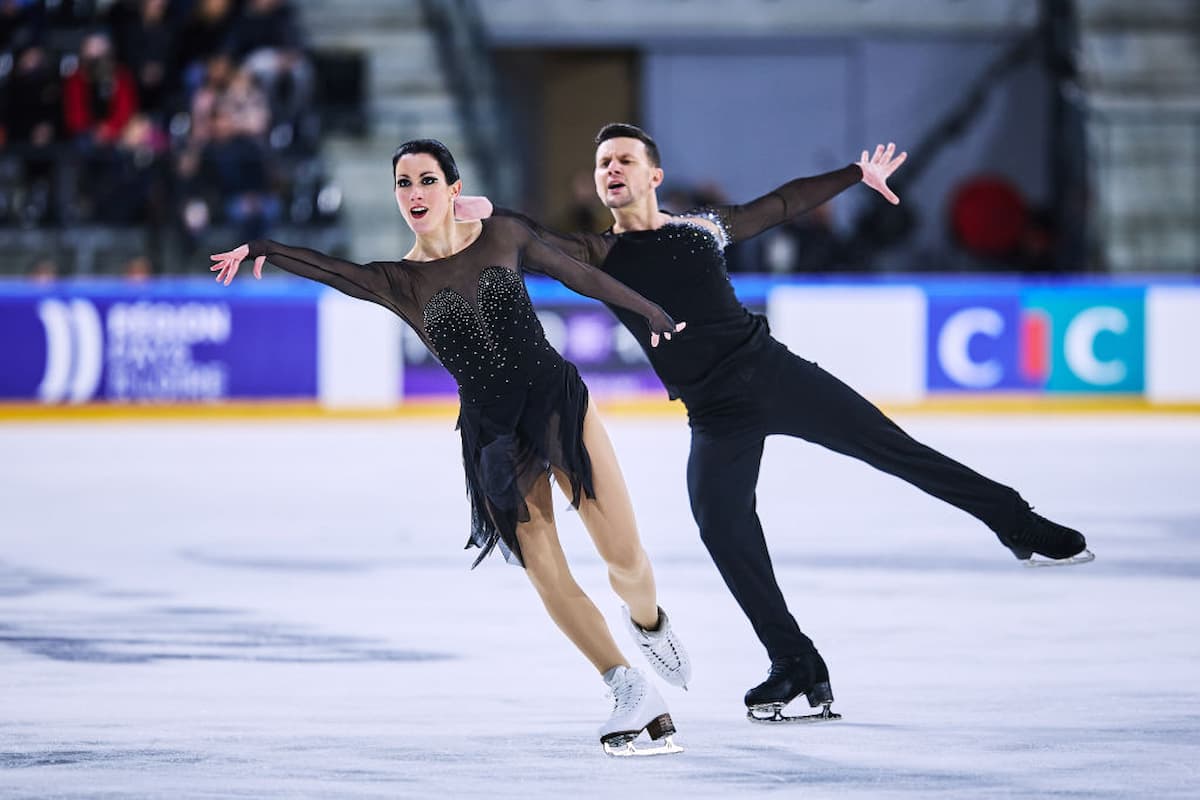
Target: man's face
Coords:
[[624, 172]]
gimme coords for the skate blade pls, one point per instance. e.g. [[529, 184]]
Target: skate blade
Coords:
[[1082, 557], [625, 747], [772, 714]]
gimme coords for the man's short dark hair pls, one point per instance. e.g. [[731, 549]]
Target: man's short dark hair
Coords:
[[623, 130], [431, 147]]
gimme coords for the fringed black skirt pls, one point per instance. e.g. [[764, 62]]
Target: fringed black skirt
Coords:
[[511, 443]]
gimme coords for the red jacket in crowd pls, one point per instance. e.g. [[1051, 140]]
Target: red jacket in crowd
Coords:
[[77, 105]]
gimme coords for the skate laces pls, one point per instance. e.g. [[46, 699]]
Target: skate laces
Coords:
[[662, 649], [625, 694]]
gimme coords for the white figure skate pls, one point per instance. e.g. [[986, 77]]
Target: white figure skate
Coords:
[[637, 707], [662, 649]]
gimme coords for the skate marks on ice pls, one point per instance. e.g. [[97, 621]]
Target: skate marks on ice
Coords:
[[951, 683], [281, 563], [97, 756], [24, 581], [100, 625]]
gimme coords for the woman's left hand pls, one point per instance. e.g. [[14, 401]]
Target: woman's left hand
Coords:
[[228, 263]]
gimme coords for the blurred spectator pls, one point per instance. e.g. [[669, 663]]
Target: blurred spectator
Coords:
[[144, 41], [584, 212], [132, 188], [83, 132], [1039, 243], [268, 41], [21, 23], [231, 174], [807, 243], [44, 270], [227, 89], [100, 96], [205, 33], [33, 104], [678, 200], [138, 269], [30, 109], [994, 224]]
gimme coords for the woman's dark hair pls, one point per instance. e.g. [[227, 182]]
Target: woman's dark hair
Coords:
[[434, 148], [622, 130]]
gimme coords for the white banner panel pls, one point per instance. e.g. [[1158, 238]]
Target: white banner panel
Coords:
[[1172, 344], [872, 337], [358, 355]]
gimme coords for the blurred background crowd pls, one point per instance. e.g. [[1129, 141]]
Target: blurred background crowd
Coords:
[[1045, 136], [148, 122]]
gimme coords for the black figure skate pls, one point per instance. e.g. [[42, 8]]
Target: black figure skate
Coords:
[[791, 677], [1056, 545]]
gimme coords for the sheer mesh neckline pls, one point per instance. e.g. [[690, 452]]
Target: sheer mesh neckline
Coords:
[[472, 243]]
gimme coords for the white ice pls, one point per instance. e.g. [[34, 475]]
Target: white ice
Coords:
[[244, 610]]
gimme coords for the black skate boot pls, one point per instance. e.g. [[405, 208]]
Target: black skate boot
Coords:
[[1057, 544], [791, 677]]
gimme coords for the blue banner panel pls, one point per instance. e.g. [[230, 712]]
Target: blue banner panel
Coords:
[[973, 343], [76, 346], [1046, 338]]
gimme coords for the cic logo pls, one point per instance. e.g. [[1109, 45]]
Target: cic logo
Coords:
[[1066, 340]]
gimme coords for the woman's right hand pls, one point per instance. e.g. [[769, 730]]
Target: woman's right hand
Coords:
[[228, 263]]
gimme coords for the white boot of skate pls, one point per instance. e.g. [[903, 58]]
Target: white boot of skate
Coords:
[[662, 649], [637, 707]]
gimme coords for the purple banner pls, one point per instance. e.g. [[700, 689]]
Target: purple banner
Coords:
[[79, 347], [610, 361]]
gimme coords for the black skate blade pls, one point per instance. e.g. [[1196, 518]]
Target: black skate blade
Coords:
[[772, 714], [1082, 557], [624, 745]]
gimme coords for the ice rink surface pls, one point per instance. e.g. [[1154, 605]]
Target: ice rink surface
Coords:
[[254, 610]]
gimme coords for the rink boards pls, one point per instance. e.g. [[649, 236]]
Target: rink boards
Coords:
[[899, 341]]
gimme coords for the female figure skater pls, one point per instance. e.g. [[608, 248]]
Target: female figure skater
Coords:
[[524, 414]]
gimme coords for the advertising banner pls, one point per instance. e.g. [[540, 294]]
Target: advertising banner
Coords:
[[77, 346], [1057, 340]]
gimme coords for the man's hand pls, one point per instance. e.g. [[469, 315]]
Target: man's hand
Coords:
[[878, 167], [468, 208]]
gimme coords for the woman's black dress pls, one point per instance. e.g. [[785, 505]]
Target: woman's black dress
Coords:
[[522, 405]]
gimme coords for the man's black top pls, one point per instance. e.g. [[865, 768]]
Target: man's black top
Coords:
[[681, 267]]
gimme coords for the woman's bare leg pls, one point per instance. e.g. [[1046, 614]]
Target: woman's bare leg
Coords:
[[546, 565], [610, 522]]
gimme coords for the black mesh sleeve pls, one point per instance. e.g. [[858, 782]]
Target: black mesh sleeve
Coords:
[[363, 281], [789, 200], [590, 248], [540, 256]]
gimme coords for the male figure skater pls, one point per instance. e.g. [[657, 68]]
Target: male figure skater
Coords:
[[740, 385]]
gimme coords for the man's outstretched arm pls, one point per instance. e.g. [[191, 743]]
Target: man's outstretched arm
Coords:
[[803, 194]]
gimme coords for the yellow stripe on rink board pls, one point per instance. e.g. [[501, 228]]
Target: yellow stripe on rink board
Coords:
[[276, 411], [282, 411]]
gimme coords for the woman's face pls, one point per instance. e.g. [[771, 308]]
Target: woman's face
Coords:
[[424, 198]]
